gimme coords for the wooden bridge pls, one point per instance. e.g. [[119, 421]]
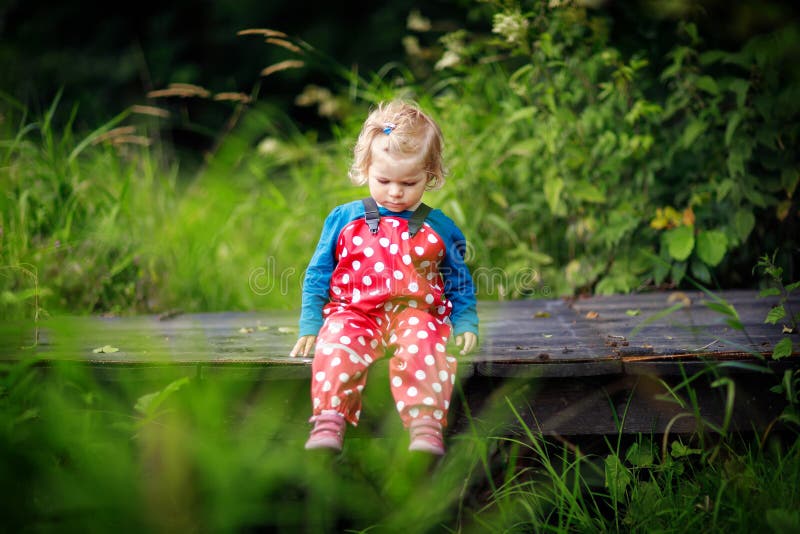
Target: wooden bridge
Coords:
[[570, 367]]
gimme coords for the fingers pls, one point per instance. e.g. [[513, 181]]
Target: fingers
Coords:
[[469, 340], [303, 346]]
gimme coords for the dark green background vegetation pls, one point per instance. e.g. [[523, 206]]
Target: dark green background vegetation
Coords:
[[607, 149]]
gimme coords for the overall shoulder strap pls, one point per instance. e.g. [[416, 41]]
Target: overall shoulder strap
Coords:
[[371, 214], [418, 219]]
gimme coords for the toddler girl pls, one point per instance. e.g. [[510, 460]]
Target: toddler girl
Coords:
[[388, 276]]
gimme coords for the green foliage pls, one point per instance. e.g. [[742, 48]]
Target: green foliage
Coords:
[[576, 166]]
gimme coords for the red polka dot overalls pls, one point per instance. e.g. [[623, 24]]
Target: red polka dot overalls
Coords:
[[386, 297]]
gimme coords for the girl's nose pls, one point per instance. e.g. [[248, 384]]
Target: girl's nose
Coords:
[[395, 190]]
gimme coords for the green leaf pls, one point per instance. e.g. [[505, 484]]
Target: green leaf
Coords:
[[632, 313], [711, 246], [105, 349], [730, 129], [640, 456], [679, 450], [692, 132], [707, 84], [700, 271], [791, 287], [680, 242], [618, 477], [775, 314], [783, 520], [148, 404], [744, 221], [770, 292], [552, 193], [740, 88], [588, 193], [782, 349]]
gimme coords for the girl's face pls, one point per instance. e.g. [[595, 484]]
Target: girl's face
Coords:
[[395, 182]]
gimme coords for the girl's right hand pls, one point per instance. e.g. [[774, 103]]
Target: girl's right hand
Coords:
[[303, 346]]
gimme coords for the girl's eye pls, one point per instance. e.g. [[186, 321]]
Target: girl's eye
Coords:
[[410, 184]]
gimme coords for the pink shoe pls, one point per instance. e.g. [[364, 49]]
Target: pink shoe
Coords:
[[426, 436], [328, 432]]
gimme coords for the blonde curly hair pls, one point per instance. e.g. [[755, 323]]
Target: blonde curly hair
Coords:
[[410, 131]]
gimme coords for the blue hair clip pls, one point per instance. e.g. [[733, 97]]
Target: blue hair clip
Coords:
[[388, 127]]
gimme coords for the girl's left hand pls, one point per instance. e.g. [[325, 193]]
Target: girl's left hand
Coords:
[[467, 341]]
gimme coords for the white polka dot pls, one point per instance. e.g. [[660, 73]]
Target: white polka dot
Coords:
[[429, 298], [398, 275], [336, 361], [428, 401], [419, 250], [420, 374], [387, 306], [373, 343], [432, 238], [344, 252], [345, 278], [393, 338], [437, 414], [336, 290], [422, 334], [404, 236], [389, 283], [413, 287], [437, 387], [335, 401], [413, 412], [360, 387], [368, 358], [452, 379], [400, 405], [384, 242], [344, 340], [443, 375], [356, 265], [431, 326], [425, 264], [412, 303], [317, 402], [395, 222], [368, 252], [407, 332], [440, 310], [446, 404], [406, 259], [320, 376], [429, 359], [367, 281], [353, 358], [362, 340], [439, 347], [397, 381], [348, 392], [393, 248], [344, 377], [412, 391], [413, 349], [379, 266], [327, 351], [326, 386], [357, 240], [356, 295]]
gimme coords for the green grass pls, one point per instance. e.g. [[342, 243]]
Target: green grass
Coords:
[[148, 451]]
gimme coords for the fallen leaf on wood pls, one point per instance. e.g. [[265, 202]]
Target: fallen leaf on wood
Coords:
[[541, 314], [787, 330], [592, 315], [245, 330], [632, 313], [105, 349], [679, 296]]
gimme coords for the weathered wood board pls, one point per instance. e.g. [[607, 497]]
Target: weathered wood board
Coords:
[[577, 359]]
